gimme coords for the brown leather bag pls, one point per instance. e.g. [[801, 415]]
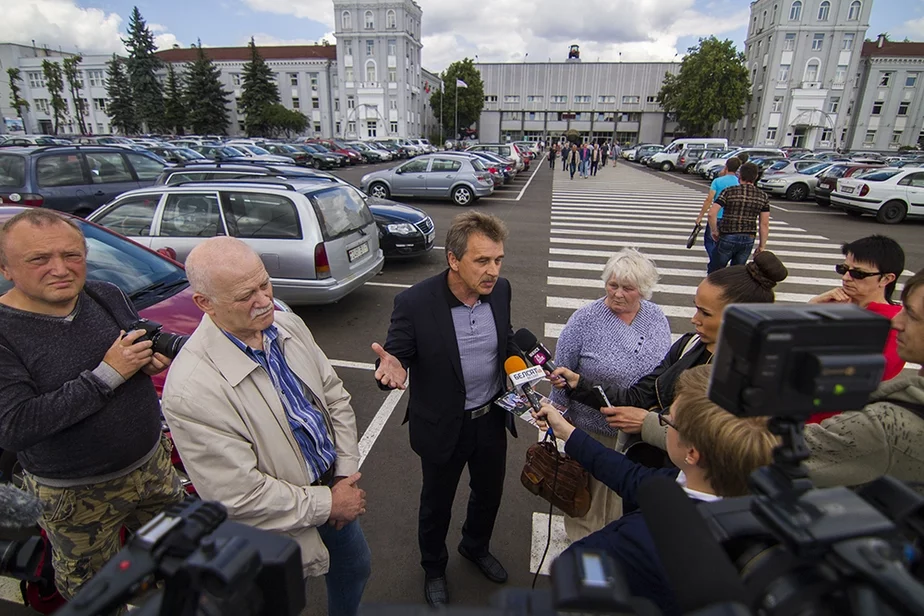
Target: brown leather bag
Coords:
[[568, 487]]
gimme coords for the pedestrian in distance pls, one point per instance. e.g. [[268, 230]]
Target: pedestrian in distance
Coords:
[[746, 216], [617, 152], [727, 177], [553, 155], [585, 156], [604, 153], [574, 159], [565, 155], [594, 159]]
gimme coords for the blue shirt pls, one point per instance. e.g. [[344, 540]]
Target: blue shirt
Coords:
[[721, 183], [307, 423], [476, 335]]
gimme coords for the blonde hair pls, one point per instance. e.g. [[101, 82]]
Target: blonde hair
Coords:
[[730, 447], [630, 265]]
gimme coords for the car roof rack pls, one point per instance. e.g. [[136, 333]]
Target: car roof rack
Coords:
[[268, 180]]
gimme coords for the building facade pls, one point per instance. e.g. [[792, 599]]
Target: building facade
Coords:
[[28, 59], [889, 100], [803, 57], [600, 100]]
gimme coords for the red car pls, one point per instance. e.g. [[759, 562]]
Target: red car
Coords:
[[340, 148]]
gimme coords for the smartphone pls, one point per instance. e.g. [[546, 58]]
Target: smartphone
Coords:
[[602, 396]]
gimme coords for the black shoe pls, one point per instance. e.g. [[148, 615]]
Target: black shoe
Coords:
[[489, 566], [436, 591]]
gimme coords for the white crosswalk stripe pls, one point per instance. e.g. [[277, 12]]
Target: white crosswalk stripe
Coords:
[[592, 219]]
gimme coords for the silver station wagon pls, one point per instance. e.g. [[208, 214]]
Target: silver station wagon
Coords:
[[318, 241]]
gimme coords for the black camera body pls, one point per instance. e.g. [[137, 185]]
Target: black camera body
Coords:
[[165, 343]]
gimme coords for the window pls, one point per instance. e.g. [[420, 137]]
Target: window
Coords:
[[789, 41], [392, 75], [870, 137], [372, 128], [60, 170], [651, 99], [896, 137], [370, 71], [106, 168], [630, 100], [36, 79], [391, 19], [336, 104], [260, 216], [511, 115], [840, 74], [811, 71], [795, 11], [131, 217], [393, 127], [582, 98], [834, 104], [370, 48], [606, 100], [346, 21], [783, 75], [351, 102], [145, 168], [99, 104], [771, 133], [853, 14], [490, 98], [97, 79], [315, 102], [559, 99], [293, 79], [99, 127], [777, 104], [392, 47], [348, 48], [351, 127], [911, 80], [393, 103], [314, 81], [823, 10], [348, 74], [192, 215], [512, 98], [445, 165], [296, 104], [884, 78], [877, 108], [534, 98], [903, 108], [369, 20], [847, 43], [826, 135], [337, 127], [818, 42]]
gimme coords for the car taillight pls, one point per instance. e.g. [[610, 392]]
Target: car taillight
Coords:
[[864, 190], [493, 170], [682, 160], [22, 199], [321, 264]]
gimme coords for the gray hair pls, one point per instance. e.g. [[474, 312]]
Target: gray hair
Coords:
[[465, 225], [214, 254], [631, 266]]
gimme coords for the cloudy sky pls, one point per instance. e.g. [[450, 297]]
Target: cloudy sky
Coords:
[[496, 30]]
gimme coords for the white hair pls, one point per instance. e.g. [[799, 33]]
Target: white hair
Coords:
[[630, 266], [214, 254]]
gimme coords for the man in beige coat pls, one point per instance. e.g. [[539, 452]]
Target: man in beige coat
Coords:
[[263, 423]]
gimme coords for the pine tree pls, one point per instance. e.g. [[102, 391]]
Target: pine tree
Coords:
[[16, 100], [206, 100], [75, 85], [121, 108], [174, 105], [142, 67], [54, 82], [259, 92]]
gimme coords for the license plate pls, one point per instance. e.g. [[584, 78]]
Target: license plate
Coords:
[[358, 251], [847, 189], [430, 236]]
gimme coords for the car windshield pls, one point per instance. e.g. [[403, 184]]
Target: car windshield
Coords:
[[187, 154], [227, 150], [256, 150], [879, 175], [359, 146], [477, 164], [778, 165], [127, 265], [320, 147], [814, 169], [12, 170], [341, 210]]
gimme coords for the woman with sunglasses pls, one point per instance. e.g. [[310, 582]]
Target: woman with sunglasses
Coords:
[[752, 283], [869, 274], [713, 451]]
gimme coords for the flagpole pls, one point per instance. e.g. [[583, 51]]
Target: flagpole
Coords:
[[456, 125], [442, 95]]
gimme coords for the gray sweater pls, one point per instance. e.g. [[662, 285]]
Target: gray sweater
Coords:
[[58, 407]]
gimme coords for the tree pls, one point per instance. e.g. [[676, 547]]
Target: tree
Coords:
[[70, 65], [54, 82], [259, 91], [174, 103], [712, 84], [471, 97], [282, 121], [18, 102], [572, 136], [121, 107], [142, 67], [206, 100]]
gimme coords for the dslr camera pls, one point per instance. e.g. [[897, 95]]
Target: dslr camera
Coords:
[[165, 343]]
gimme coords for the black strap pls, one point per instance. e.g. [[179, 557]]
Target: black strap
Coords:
[[914, 407], [93, 295]]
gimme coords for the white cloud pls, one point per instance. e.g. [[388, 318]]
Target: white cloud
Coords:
[[913, 29], [317, 10], [63, 24], [269, 40]]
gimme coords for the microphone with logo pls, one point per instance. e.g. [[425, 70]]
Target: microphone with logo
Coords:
[[537, 353], [515, 364], [20, 546]]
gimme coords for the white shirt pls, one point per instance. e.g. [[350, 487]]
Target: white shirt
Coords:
[[694, 494]]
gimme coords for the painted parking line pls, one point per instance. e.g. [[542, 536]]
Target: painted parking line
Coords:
[[393, 285], [530, 181]]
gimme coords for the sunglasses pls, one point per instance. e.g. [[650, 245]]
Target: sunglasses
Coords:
[[856, 274], [663, 419]]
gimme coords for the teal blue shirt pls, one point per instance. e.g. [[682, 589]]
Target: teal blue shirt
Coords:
[[721, 183]]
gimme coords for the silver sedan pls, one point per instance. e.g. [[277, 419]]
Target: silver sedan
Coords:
[[794, 186], [435, 176]]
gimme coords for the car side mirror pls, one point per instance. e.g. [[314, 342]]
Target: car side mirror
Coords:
[[168, 252]]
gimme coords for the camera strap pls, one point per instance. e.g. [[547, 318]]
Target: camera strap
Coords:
[[93, 295], [914, 407]]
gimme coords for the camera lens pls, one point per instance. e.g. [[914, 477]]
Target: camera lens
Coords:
[[168, 344]]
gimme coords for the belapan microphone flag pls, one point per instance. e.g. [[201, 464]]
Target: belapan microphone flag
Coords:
[[461, 84]]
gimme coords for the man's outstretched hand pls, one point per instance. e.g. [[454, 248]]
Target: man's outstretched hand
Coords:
[[390, 372]]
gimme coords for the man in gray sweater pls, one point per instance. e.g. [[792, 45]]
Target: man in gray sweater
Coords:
[[76, 399], [886, 437]]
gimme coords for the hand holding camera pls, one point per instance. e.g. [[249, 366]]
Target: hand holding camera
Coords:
[[127, 355]]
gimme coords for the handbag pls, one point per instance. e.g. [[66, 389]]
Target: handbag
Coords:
[[558, 479], [694, 234]]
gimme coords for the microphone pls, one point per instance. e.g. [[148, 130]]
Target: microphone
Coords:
[[535, 350], [18, 509], [516, 364], [698, 569]]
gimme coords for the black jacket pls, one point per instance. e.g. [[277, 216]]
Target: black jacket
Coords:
[[656, 389], [423, 338]]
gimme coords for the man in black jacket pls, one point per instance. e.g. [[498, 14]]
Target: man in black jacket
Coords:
[[452, 334]]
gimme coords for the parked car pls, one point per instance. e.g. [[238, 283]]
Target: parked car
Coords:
[[340, 147], [644, 152], [72, 179], [370, 154], [396, 150], [505, 166], [785, 166], [707, 157], [404, 231], [497, 174], [507, 150], [220, 152], [201, 172], [794, 186], [710, 170], [258, 153], [317, 240], [462, 179], [666, 159], [688, 158], [20, 140], [103, 140], [425, 144], [175, 154], [892, 194], [298, 155], [342, 160], [827, 181]]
